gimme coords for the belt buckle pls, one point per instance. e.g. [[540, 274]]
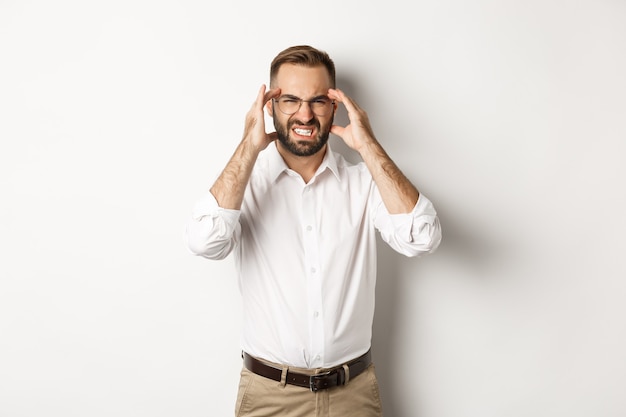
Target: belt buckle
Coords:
[[317, 377]]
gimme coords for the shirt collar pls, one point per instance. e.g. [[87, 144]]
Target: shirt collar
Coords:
[[277, 164]]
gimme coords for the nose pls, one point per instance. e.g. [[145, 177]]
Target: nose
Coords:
[[305, 110]]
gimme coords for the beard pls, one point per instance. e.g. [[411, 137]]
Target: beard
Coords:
[[302, 148]]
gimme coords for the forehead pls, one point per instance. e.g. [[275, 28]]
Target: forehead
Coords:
[[302, 81]]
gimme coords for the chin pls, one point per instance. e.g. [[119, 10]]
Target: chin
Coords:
[[304, 148]]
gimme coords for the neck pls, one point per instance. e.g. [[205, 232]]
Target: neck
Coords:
[[306, 166]]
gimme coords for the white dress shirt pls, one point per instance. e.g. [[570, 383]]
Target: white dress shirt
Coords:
[[306, 256]]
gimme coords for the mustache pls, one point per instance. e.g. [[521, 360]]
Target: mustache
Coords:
[[312, 122]]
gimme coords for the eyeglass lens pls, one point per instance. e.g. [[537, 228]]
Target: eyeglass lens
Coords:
[[290, 105]]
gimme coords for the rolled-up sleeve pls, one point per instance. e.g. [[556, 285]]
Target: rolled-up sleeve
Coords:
[[411, 234], [212, 231]]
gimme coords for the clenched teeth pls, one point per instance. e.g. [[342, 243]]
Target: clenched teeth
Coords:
[[303, 132]]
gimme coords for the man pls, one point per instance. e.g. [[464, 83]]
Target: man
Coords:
[[301, 222]]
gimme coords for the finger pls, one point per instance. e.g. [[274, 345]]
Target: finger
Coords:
[[272, 136], [273, 93], [335, 94], [337, 130], [258, 102], [338, 95]]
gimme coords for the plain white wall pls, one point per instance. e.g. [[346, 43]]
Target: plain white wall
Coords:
[[509, 115]]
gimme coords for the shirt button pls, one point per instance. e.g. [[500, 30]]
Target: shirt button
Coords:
[[317, 358], [316, 314], [313, 270], [309, 228]]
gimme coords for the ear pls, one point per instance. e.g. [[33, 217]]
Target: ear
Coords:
[[270, 108]]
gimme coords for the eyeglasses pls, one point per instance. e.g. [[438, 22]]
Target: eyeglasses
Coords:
[[289, 105]]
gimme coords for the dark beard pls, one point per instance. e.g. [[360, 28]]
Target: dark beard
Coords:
[[301, 148]]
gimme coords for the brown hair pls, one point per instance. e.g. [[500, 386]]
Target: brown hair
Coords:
[[303, 55]]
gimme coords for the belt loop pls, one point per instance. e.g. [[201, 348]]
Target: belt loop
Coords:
[[283, 377], [346, 370]]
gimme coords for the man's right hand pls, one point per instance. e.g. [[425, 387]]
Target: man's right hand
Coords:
[[254, 132]]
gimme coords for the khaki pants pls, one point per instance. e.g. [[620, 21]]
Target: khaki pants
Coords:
[[262, 397]]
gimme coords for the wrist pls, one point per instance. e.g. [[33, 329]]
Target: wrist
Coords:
[[368, 146], [251, 147]]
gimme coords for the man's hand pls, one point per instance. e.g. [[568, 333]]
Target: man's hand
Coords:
[[358, 132], [397, 192], [254, 132]]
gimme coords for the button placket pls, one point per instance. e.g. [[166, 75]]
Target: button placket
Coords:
[[314, 282]]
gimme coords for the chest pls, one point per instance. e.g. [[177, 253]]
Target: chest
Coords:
[[328, 209]]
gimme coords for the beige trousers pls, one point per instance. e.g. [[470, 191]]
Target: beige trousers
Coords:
[[262, 397]]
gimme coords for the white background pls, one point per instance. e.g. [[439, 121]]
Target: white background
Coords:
[[509, 115]]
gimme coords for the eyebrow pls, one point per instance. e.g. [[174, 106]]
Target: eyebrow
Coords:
[[291, 96]]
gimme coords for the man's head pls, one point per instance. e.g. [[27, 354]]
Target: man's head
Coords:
[[303, 114], [304, 55]]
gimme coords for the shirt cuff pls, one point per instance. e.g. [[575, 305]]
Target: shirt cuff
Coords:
[[404, 223]]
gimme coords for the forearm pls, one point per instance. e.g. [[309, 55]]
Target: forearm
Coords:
[[398, 193], [230, 186]]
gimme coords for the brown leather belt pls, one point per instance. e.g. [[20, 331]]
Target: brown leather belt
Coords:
[[332, 378]]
